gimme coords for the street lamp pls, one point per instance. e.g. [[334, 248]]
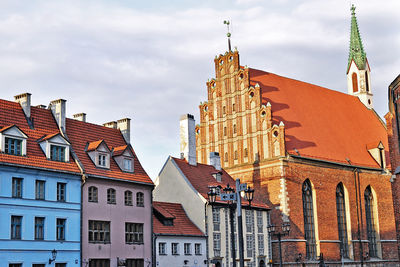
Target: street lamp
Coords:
[[53, 256], [231, 196], [274, 231]]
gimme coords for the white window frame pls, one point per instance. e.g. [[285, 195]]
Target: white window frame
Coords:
[[187, 247], [19, 135]]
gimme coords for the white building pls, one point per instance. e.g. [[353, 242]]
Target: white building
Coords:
[[187, 182], [178, 242]]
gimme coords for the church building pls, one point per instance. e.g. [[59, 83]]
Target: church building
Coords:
[[317, 156]]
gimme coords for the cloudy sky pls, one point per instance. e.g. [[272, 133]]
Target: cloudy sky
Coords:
[[150, 60]]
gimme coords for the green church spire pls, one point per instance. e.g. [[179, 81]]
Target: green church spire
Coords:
[[356, 52]]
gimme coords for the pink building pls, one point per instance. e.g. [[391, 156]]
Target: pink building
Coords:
[[116, 195]]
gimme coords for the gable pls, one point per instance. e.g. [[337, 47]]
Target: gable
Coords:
[[14, 131]]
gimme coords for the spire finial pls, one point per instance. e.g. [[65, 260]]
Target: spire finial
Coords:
[[353, 10], [227, 22]]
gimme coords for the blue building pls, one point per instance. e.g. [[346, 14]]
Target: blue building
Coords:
[[40, 187]]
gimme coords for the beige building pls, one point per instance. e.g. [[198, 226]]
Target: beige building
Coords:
[[183, 180]]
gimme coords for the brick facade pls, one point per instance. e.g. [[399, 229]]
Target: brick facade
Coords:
[[392, 121], [257, 142]]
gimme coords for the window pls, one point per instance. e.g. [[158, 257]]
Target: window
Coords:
[[111, 198], [128, 198], [225, 131], [134, 263], [38, 265], [259, 221], [223, 110], [16, 222], [355, 82], [13, 146], [249, 245], [127, 164], [216, 218], [187, 247], [370, 218], [17, 187], [341, 218], [139, 199], [226, 157], [133, 233], [39, 228], [308, 213], [366, 81], [174, 249], [249, 221], [40, 185], [99, 263], [233, 107], [246, 153], [61, 265], [260, 240], [102, 160], [217, 244], [197, 249], [15, 265], [234, 128], [61, 187], [92, 194], [61, 229], [99, 232], [162, 248], [236, 155], [57, 153]]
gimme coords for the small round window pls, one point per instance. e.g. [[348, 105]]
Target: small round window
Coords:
[[275, 133], [221, 62], [251, 94], [263, 114]]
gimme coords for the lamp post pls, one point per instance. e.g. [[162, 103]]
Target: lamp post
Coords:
[[285, 231], [231, 196]]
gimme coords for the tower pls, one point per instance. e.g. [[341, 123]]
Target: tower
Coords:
[[358, 71]]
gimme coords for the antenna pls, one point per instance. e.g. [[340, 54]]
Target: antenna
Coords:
[[227, 22]]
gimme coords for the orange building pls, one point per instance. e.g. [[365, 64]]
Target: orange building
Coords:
[[318, 156]]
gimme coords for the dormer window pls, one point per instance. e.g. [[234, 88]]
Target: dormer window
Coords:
[[57, 153], [377, 151], [13, 146], [55, 146], [127, 164], [99, 153], [102, 160], [123, 156], [13, 141]]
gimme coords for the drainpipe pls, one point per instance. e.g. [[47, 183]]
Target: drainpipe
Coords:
[[206, 228]]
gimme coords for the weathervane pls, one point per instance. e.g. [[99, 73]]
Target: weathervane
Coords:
[[227, 22]]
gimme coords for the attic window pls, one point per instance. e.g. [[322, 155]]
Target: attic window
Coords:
[[168, 222], [127, 164], [217, 176], [13, 146], [102, 160], [57, 153]]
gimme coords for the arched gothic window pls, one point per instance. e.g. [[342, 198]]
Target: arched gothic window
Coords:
[[308, 213], [355, 82], [370, 218], [342, 223], [366, 81], [92, 194]]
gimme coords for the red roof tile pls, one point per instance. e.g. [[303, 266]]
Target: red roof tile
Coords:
[[119, 150], [182, 225], [321, 123], [80, 133], [201, 177], [44, 124], [94, 145]]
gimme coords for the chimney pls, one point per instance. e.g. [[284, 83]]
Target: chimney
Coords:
[[111, 124], [25, 101], [188, 138], [215, 160], [58, 109], [80, 117], [41, 106], [124, 125]]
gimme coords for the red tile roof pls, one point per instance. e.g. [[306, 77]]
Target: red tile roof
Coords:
[[182, 225], [94, 145], [201, 177], [80, 133], [119, 150], [11, 114], [321, 123]]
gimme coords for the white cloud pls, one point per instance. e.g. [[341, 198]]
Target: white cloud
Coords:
[[111, 60]]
